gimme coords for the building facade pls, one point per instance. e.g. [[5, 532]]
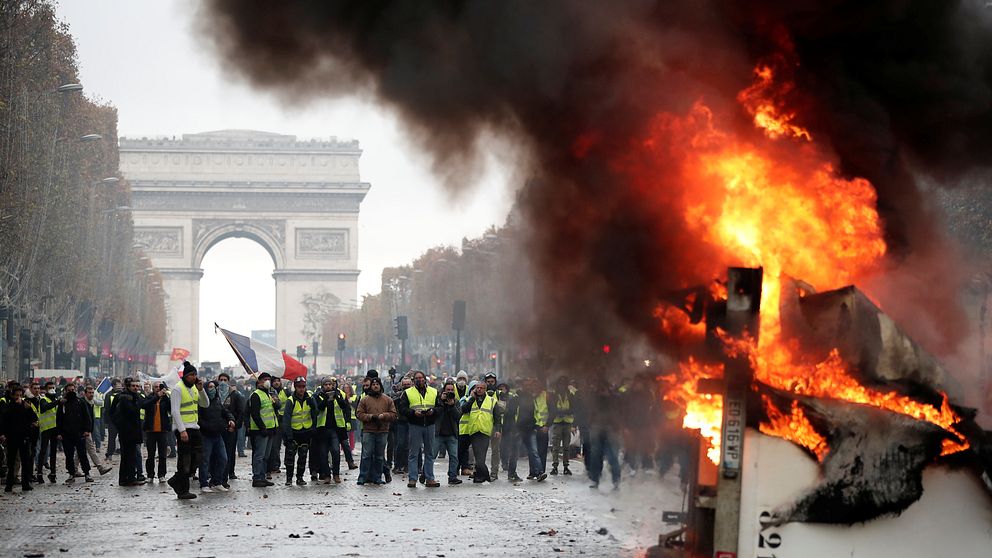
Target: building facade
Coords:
[[299, 200]]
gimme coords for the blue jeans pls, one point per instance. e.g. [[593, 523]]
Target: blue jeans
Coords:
[[213, 468], [242, 436], [533, 455], [373, 456], [450, 445], [421, 437], [97, 433], [259, 456]]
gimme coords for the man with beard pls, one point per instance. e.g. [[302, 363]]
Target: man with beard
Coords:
[[376, 411], [234, 403], [187, 398], [126, 417], [74, 423], [418, 404], [299, 417]]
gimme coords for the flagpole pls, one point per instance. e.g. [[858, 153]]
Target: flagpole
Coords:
[[236, 352]]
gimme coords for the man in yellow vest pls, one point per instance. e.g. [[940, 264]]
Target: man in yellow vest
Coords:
[[298, 420], [418, 404], [47, 408], [187, 397], [562, 419], [484, 423], [262, 428]]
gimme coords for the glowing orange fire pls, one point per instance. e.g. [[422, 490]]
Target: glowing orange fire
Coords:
[[783, 207], [703, 411], [794, 426]]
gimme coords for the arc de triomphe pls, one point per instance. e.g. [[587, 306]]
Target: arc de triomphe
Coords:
[[298, 199]]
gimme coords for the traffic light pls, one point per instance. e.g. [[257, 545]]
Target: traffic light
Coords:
[[341, 341], [316, 348], [301, 351], [401, 330], [25, 343]]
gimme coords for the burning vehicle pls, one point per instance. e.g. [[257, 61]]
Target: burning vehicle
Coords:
[[795, 144]]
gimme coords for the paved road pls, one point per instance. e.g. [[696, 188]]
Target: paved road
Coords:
[[102, 519]]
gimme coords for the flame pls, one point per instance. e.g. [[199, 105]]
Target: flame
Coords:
[[675, 324], [794, 427], [784, 207], [761, 100], [703, 411]]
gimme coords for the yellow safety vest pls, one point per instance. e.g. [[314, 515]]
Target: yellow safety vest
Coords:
[[46, 420], [188, 411], [418, 403], [541, 409], [302, 419], [266, 410], [481, 416], [563, 406], [462, 422], [97, 409]]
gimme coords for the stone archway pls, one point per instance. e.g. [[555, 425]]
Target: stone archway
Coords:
[[298, 199]]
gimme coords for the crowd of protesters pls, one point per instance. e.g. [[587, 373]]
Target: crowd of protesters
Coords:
[[402, 423]]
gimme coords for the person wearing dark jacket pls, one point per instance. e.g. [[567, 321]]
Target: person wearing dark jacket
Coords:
[[74, 423], [447, 415], [214, 421], [376, 411], [417, 403], [16, 424], [298, 421], [126, 416], [234, 402], [158, 423]]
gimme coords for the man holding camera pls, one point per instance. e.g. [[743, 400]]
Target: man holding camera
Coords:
[[449, 413], [417, 404]]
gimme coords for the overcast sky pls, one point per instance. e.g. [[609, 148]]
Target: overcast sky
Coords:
[[143, 57]]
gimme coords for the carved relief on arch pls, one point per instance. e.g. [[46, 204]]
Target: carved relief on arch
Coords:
[[270, 232]]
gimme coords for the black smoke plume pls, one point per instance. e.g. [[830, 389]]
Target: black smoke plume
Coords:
[[897, 89]]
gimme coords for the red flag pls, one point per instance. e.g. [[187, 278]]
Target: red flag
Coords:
[[179, 354], [294, 368]]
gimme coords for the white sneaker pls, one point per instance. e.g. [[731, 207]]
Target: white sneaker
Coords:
[[161, 479], [206, 490], [219, 488]]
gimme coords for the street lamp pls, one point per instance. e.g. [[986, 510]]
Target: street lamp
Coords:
[[69, 88], [111, 180], [90, 137]]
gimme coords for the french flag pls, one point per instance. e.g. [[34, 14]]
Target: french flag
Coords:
[[257, 357]]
